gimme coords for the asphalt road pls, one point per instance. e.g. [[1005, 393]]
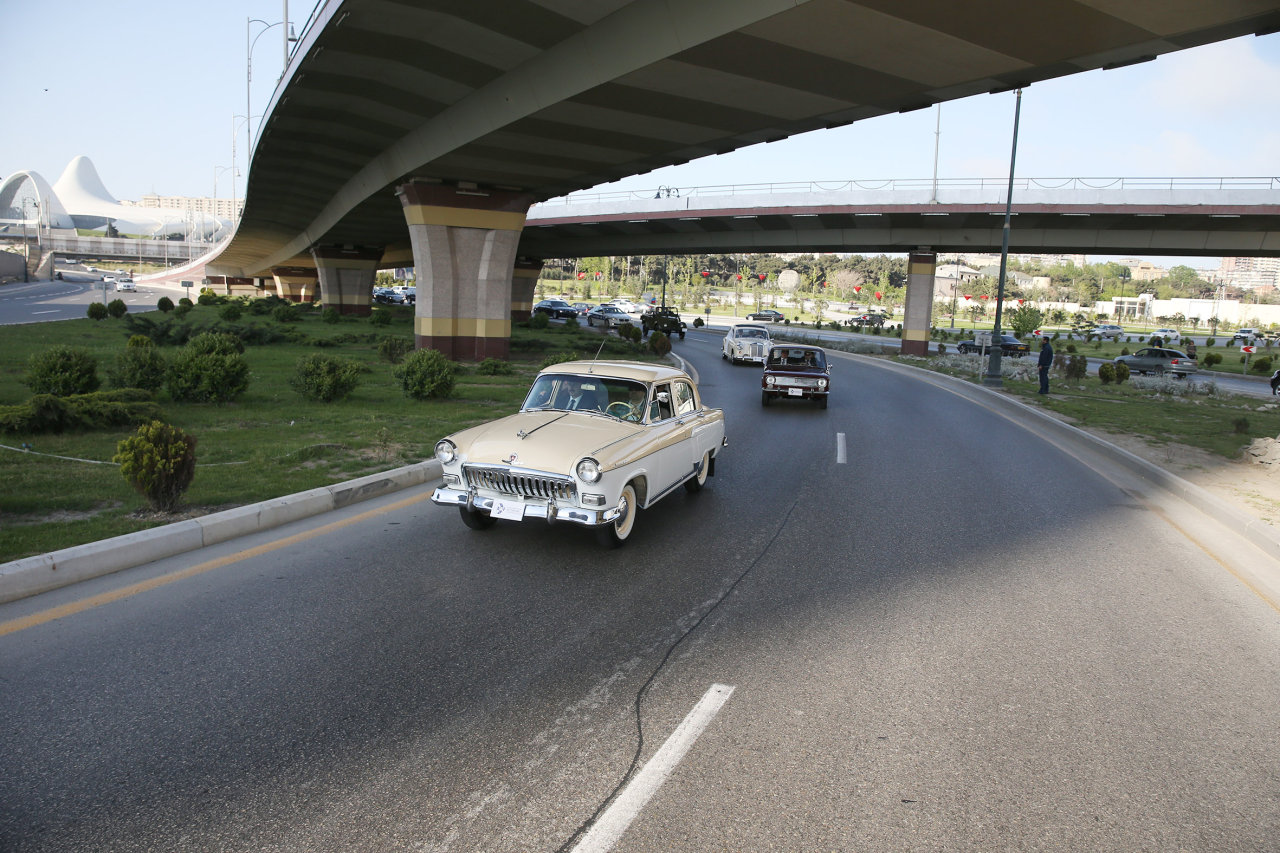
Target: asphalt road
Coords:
[[43, 301], [961, 638]]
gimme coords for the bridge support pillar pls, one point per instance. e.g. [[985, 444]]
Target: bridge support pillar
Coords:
[[464, 252], [917, 314], [297, 284], [347, 275], [524, 281]]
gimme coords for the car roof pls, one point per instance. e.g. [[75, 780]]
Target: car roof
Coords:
[[638, 370], [750, 326], [785, 345]]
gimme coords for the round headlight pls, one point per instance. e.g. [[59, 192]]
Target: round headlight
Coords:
[[822, 383], [446, 451], [770, 380], [589, 470]]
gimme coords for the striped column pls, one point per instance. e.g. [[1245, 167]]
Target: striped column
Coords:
[[524, 281], [464, 252], [918, 312], [297, 284], [347, 275]]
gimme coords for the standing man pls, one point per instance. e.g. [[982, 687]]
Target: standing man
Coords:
[[1046, 361]]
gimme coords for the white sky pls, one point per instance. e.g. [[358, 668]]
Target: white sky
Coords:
[[150, 91]]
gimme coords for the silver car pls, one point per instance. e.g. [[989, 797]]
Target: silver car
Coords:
[[746, 342], [1160, 361]]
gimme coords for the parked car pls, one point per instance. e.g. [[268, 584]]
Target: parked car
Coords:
[[663, 319], [557, 309], [1247, 336], [1008, 344], [795, 372], [1159, 360], [1168, 336], [609, 316], [768, 315], [386, 296], [409, 295], [1107, 330], [638, 433], [626, 305], [868, 320], [746, 342]]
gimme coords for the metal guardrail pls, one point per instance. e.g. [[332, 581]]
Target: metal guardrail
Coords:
[[917, 184]]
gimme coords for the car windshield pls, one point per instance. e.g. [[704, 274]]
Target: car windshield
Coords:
[[785, 357], [751, 332], [623, 399]]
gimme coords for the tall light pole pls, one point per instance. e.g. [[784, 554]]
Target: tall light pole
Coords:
[[993, 366]]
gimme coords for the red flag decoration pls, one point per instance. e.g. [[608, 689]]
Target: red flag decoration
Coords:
[[1019, 301], [705, 273], [824, 284], [878, 294], [739, 278], [581, 276], [858, 289], [599, 275], [984, 296], [967, 297], [762, 276]]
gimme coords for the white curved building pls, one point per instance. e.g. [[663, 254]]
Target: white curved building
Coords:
[[79, 200]]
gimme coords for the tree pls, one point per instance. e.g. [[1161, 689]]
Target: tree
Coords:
[[1025, 319]]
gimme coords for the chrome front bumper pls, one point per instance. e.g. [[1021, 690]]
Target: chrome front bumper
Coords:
[[549, 511]]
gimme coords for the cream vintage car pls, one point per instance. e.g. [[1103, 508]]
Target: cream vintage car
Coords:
[[746, 342], [594, 443]]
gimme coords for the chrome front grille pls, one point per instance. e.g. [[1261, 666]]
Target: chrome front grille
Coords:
[[798, 381], [757, 350], [522, 484]]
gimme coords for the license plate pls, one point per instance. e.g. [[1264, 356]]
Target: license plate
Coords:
[[508, 510], [795, 392]]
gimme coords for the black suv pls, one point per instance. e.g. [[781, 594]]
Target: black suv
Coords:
[[663, 319]]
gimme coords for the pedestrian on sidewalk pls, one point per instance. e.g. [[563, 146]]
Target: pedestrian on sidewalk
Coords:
[[1046, 361]]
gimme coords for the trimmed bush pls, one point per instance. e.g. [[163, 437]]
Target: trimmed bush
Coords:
[[159, 462], [164, 304], [98, 311], [659, 343], [208, 297], [394, 349], [1261, 365], [138, 367], [117, 309], [1212, 358], [61, 371], [324, 378], [380, 317], [538, 320], [45, 413], [182, 310], [697, 323], [1107, 372], [495, 367], [230, 313], [426, 374], [285, 312], [1122, 372], [209, 369], [331, 315], [558, 358]]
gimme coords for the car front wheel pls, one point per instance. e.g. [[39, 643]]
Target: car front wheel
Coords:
[[475, 519], [612, 535], [696, 482]]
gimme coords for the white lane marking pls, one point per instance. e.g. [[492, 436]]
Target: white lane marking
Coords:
[[44, 312], [609, 828], [842, 455]]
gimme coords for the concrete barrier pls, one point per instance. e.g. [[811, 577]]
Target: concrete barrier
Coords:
[[33, 575]]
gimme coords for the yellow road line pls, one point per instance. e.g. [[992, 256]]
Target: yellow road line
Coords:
[[46, 616]]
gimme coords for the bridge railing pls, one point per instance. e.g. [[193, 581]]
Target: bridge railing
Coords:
[[915, 185]]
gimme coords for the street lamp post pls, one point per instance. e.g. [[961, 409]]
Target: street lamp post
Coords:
[[993, 366]]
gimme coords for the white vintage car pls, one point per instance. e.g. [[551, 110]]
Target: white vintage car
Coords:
[[746, 342], [594, 443]]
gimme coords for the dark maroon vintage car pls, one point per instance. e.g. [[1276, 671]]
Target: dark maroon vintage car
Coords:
[[795, 372]]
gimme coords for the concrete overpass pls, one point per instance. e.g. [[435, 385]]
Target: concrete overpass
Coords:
[[419, 132]]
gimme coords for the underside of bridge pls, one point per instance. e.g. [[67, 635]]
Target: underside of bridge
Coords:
[[420, 131]]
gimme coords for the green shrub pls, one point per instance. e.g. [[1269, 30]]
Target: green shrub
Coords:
[[1075, 367], [539, 320], [659, 343], [164, 304], [285, 312], [697, 323], [45, 413], [1212, 358], [230, 312], [208, 297], [183, 309], [138, 367], [117, 309], [159, 462], [139, 341], [331, 315], [426, 374], [98, 311], [61, 371], [495, 367], [1107, 372], [394, 349], [324, 378], [1208, 342], [1240, 425], [380, 317], [1124, 350], [558, 358], [1261, 365], [185, 301], [209, 369], [1122, 372]]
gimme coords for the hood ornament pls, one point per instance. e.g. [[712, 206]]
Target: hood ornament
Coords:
[[511, 460]]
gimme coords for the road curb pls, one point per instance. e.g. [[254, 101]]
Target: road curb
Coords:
[[33, 575]]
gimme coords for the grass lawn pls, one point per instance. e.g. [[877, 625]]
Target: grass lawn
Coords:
[[270, 442]]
